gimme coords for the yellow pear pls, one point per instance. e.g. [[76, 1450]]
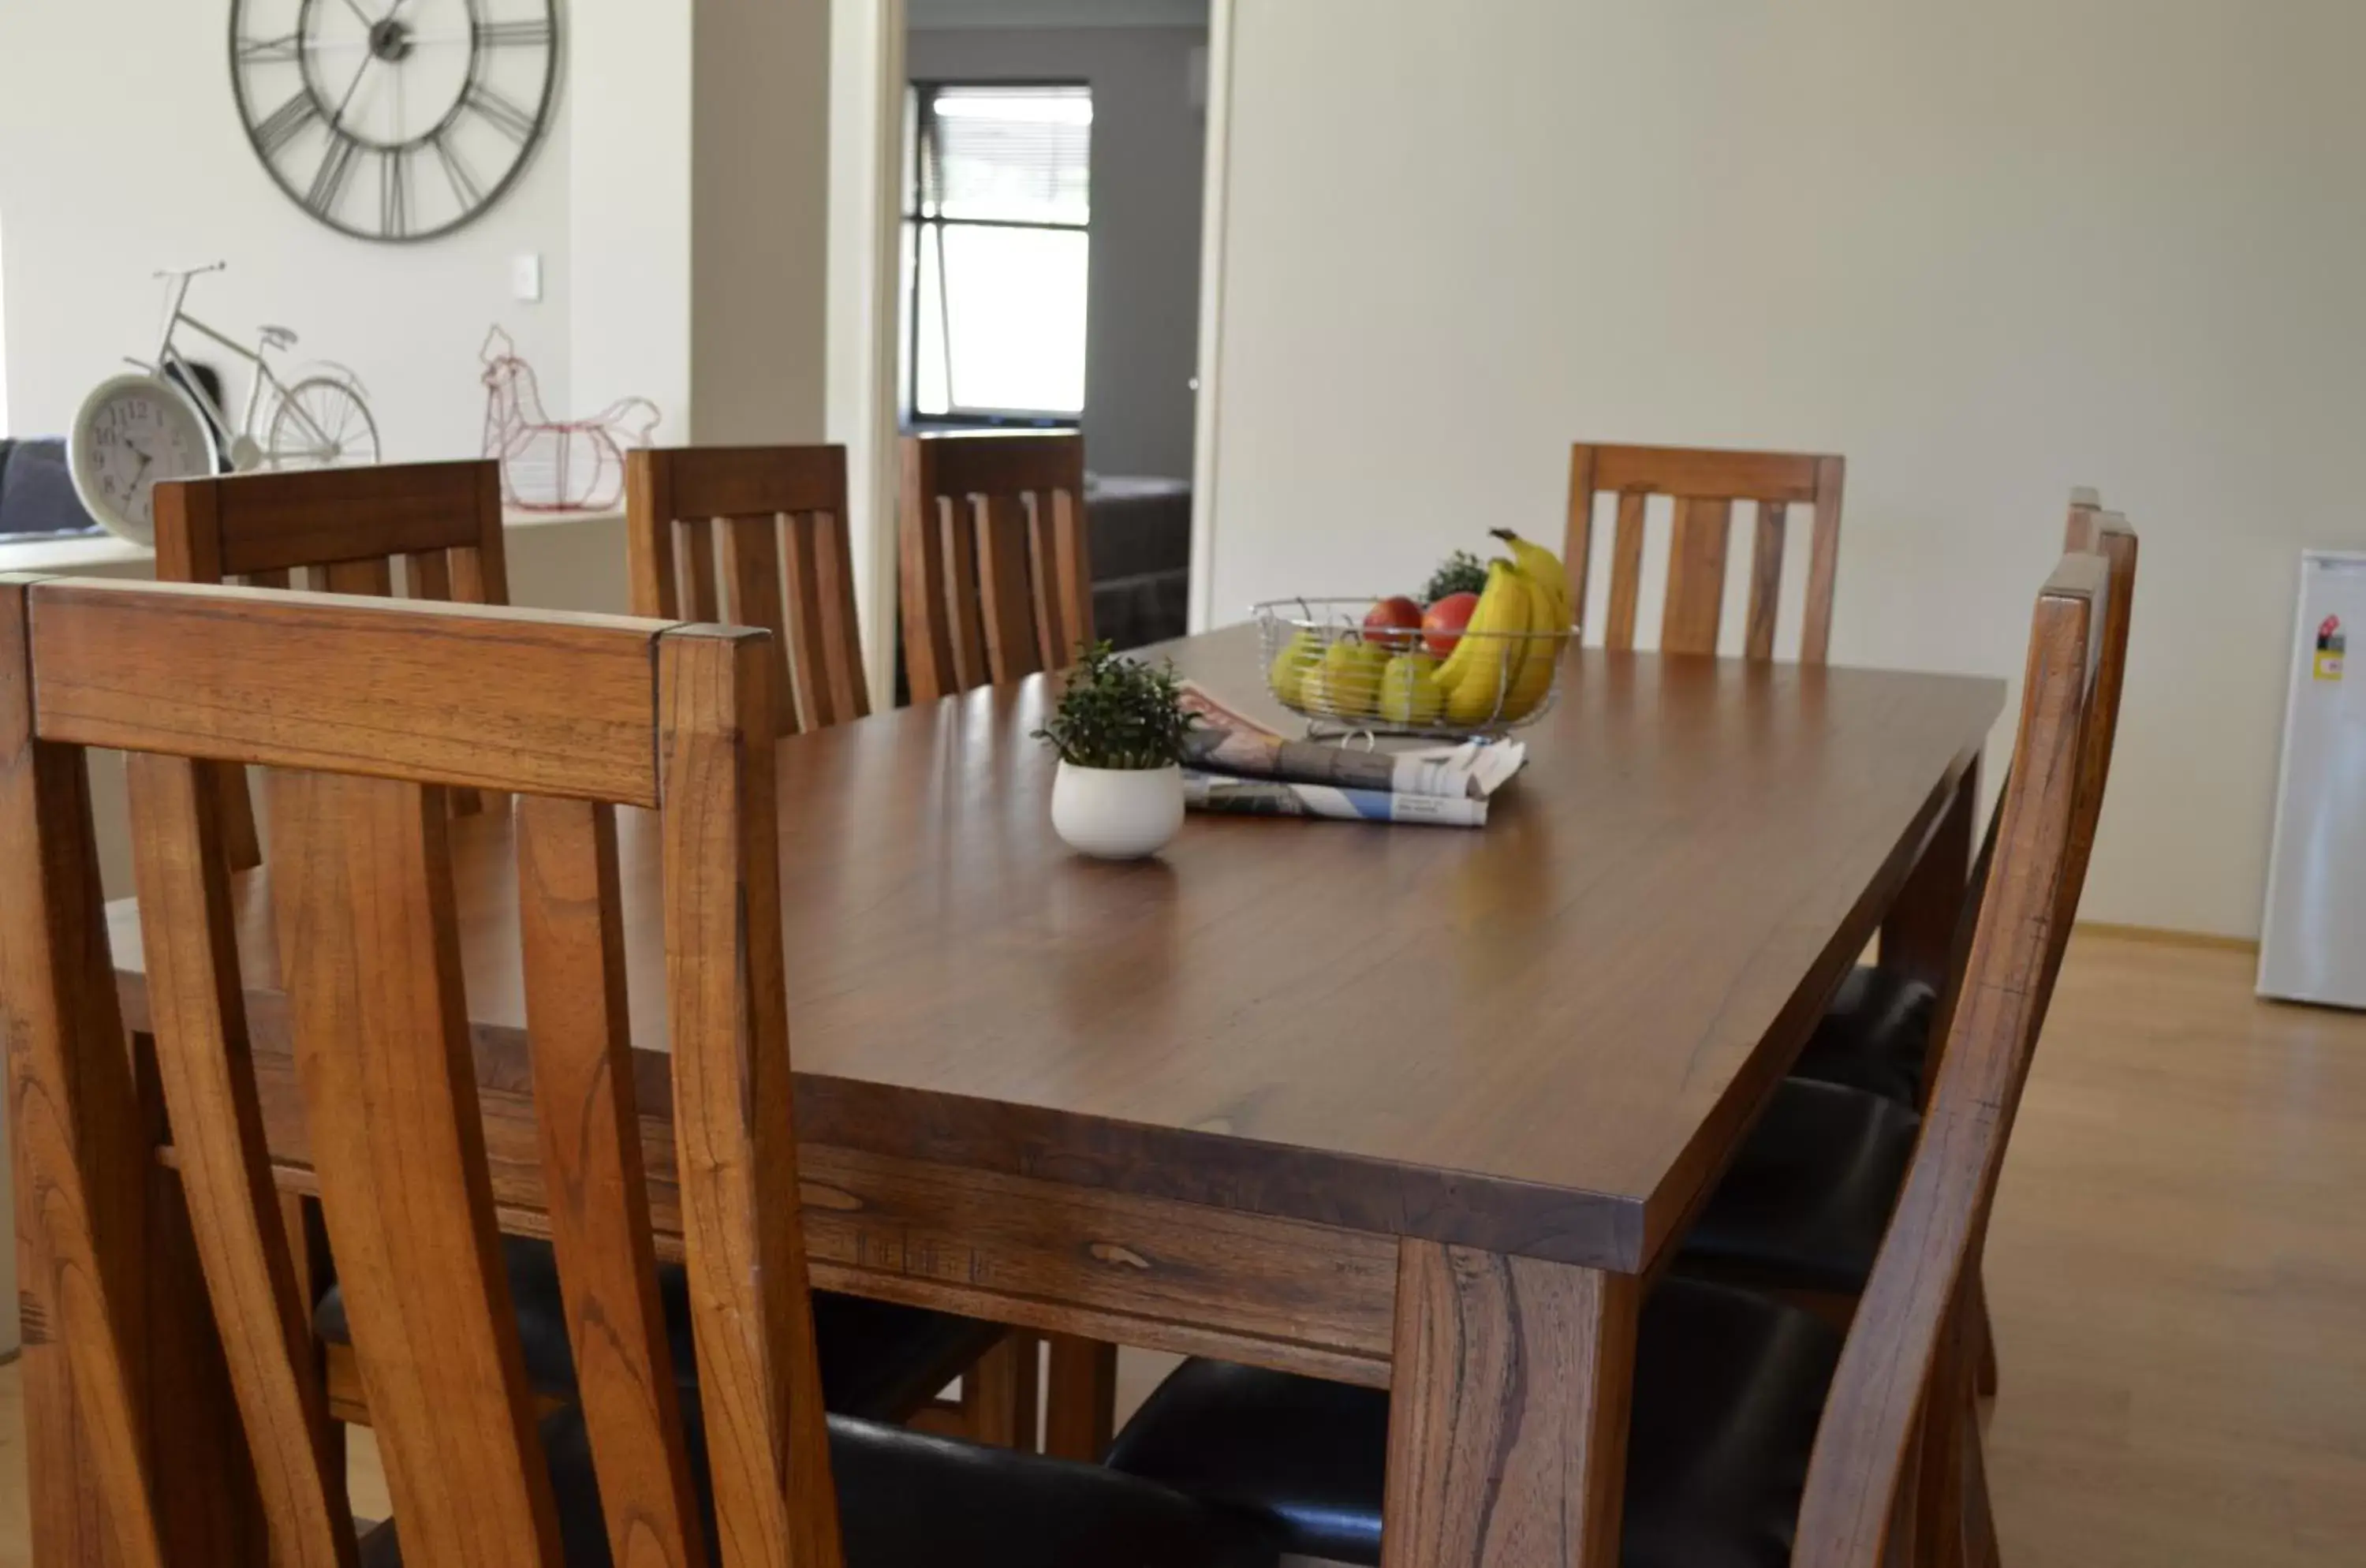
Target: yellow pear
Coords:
[[1298, 655], [1410, 693], [1351, 677]]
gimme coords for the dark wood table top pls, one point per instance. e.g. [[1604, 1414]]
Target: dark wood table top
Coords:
[[1541, 1037]]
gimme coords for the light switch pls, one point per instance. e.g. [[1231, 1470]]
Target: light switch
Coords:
[[525, 277]]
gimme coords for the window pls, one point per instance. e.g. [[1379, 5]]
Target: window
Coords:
[[997, 248]]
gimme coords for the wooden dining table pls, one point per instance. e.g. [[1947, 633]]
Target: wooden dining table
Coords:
[[1412, 1107]]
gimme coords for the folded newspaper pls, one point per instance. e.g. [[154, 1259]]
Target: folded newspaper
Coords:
[[1233, 763]]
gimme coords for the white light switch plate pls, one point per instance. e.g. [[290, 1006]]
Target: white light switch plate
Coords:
[[525, 277]]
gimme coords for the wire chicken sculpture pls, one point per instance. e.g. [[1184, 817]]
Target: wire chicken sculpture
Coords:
[[549, 465]]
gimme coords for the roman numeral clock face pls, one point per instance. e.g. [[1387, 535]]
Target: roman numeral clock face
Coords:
[[394, 120]]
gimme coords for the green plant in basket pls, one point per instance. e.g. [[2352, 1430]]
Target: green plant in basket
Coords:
[[1118, 713], [1463, 572]]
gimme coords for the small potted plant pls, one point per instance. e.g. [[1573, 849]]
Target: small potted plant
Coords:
[[1119, 731]]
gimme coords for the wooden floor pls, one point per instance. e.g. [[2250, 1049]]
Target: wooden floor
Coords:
[[2176, 1268]]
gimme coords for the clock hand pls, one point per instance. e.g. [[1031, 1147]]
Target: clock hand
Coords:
[[337, 121]]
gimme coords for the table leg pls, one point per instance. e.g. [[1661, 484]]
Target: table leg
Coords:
[[1080, 1408], [1507, 1423], [1918, 937]]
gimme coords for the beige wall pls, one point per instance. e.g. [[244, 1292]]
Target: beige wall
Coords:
[[1985, 252]]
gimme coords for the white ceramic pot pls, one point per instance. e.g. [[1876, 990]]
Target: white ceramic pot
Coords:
[[1116, 813]]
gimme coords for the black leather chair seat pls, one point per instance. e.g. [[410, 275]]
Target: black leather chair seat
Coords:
[[911, 1501], [879, 1361], [1808, 1195], [1729, 1388], [1875, 1035]]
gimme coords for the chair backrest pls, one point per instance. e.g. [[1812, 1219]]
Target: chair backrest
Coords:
[[347, 701], [775, 508], [2090, 531], [345, 528], [1899, 1406], [998, 577], [1705, 486]]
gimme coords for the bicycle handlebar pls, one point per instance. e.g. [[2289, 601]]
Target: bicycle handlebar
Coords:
[[175, 272]]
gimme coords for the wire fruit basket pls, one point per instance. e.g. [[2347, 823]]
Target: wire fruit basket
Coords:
[[1321, 663]]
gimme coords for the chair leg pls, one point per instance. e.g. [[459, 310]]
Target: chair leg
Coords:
[[998, 1402], [1080, 1413]]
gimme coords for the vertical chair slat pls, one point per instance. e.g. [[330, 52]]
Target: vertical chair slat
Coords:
[[1577, 537], [808, 630], [1626, 569], [841, 628], [208, 1073], [430, 572], [1697, 576], [1043, 579], [374, 577], [700, 601], [1006, 600], [961, 530], [1823, 561], [752, 548], [370, 951], [922, 588], [1072, 539], [79, 1162], [648, 535], [734, 1122], [569, 915], [1765, 580]]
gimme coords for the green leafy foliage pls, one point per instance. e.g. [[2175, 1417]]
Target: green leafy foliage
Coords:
[[1119, 712], [1462, 573]]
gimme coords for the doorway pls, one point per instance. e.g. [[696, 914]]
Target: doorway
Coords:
[[1046, 171]]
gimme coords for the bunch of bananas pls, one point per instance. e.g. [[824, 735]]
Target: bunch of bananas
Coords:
[[1503, 667]]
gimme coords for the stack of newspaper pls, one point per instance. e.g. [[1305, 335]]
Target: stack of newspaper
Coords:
[[1233, 763]]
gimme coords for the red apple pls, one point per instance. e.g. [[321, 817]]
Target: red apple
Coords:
[[1442, 627], [1391, 623]]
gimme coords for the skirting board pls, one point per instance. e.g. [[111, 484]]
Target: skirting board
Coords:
[[2168, 938]]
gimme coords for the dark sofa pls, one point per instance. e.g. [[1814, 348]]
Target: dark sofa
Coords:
[[36, 494]]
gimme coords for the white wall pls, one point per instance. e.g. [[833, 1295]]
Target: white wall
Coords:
[[121, 152], [1142, 321], [1985, 252]]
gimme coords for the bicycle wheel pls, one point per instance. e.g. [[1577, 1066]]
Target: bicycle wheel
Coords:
[[321, 423]]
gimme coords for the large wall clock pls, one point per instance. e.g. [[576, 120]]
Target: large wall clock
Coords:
[[394, 120]]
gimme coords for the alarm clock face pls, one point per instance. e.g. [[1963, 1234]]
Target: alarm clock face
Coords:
[[131, 432]]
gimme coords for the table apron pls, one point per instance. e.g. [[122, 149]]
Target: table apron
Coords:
[[1128, 1269]]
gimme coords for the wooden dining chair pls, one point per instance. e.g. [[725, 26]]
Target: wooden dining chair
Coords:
[[1877, 1033], [576, 715], [997, 568], [778, 514], [345, 529], [1737, 1395], [1705, 485]]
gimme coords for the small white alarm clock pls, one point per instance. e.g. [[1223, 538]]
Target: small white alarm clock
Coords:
[[133, 431]]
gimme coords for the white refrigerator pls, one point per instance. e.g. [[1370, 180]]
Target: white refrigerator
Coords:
[[2313, 939]]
